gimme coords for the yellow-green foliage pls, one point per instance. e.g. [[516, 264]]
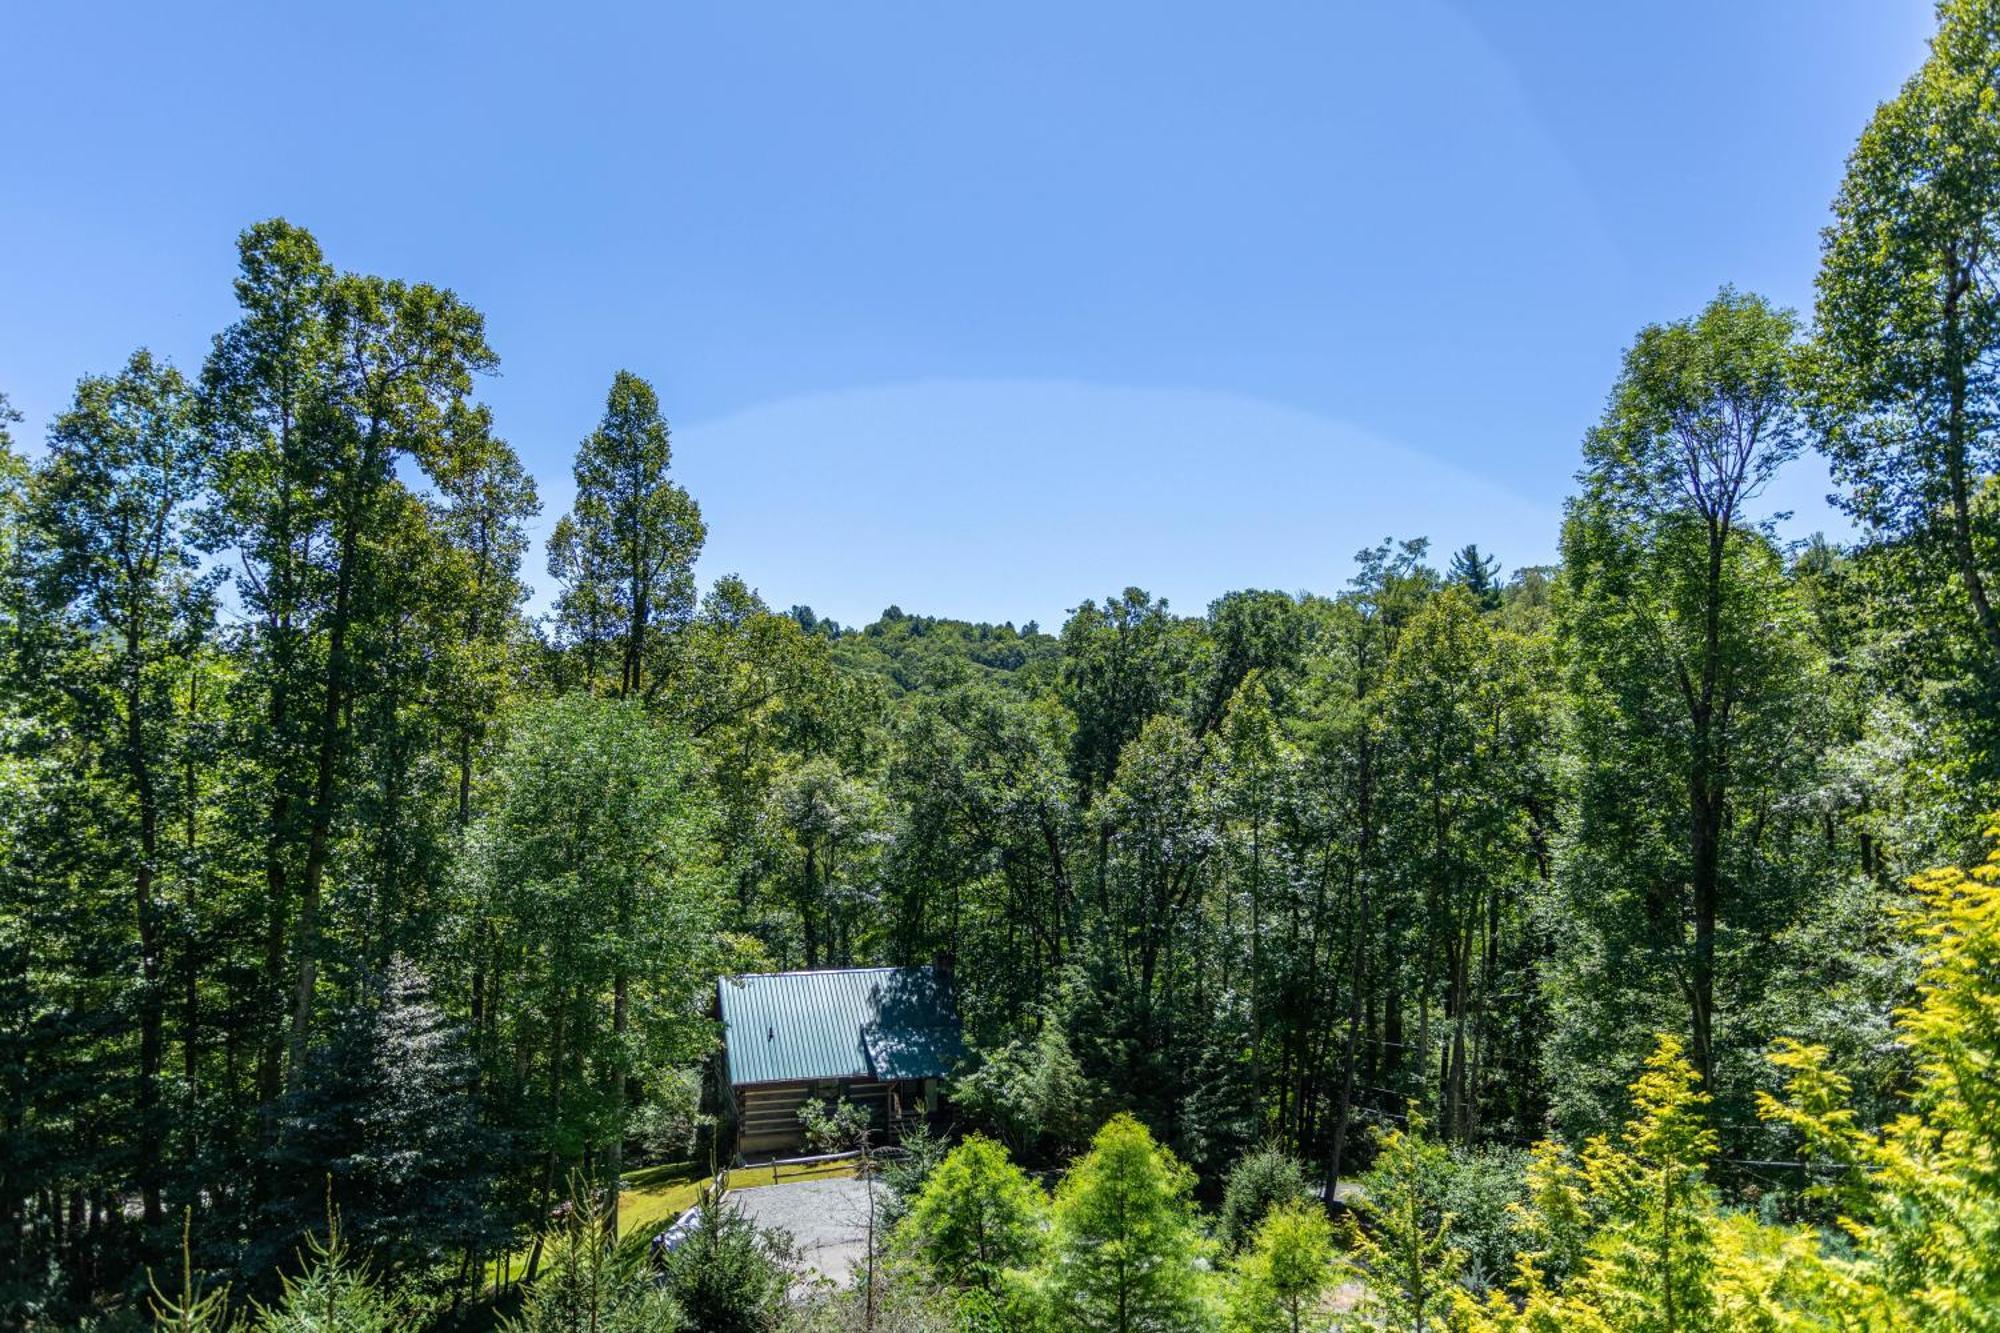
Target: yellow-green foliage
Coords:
[[1920, 1199], [1124, 1247], [977, 1216], [1404, 1254], [1650, 1266], [1556, 1221], [1278, 1285]]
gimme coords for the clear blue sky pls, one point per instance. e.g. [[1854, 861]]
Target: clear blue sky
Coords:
[[978, 309]]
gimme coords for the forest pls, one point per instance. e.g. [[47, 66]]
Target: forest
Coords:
[[1611, 944]]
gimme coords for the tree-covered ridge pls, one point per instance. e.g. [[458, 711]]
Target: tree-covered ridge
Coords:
[[1622, 927], [916, 653]]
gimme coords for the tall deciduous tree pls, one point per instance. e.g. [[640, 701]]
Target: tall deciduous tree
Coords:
[[588, 863], [321, 391], [625, 553], [488, 498], [1686, 657], [1908, 364], [114, 501]]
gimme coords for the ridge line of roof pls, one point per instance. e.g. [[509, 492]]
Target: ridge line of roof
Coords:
[[825, 971]]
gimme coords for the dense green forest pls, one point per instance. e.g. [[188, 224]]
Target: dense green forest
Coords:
[[1624, 926]]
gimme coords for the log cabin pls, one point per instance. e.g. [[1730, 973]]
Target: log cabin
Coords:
[[880, 1037]]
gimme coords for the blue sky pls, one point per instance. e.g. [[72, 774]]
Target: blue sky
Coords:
[[979, 310]]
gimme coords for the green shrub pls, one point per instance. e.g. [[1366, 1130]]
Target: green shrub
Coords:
[[1482, 1189], [1259, 1182]]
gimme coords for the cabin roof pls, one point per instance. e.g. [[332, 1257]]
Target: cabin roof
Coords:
[[857, 1022]]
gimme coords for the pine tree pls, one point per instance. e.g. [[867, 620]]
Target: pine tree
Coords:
[[191, 1309], [1477, 574], [589, 1286], [333, 1294], [1124, 1244], [728, 1277]]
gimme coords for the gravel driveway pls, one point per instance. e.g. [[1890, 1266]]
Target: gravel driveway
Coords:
[[827, 1218]]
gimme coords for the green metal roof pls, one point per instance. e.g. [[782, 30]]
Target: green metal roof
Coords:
[[858, 1022]]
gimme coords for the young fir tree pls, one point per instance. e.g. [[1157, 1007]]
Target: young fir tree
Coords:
[[430, 1159], [1278, 1286], [589, 1286], [728, 1277], [334, 1293], [1556, 1219], [387, 1124], [192, 1309], [1124, 1244], [1403, 1250], [977, 1216]]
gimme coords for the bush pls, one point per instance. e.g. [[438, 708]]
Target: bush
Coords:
[[1258, 1183], [833, 1126], [1482, 1188]]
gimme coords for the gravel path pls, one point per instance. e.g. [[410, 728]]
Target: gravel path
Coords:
[[827, 1218]]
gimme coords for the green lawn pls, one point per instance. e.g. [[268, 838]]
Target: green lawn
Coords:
[[655, 1195]]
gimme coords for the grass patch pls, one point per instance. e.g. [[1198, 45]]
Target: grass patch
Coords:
[[749, 1177], [655, 1195]]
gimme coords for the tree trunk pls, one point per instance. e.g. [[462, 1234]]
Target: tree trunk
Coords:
[[191, 953], [318, 839], [1706, 810], [1345, 1114], [152, 996]]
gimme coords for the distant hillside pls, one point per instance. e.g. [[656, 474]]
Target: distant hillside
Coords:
[[916, 653]]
